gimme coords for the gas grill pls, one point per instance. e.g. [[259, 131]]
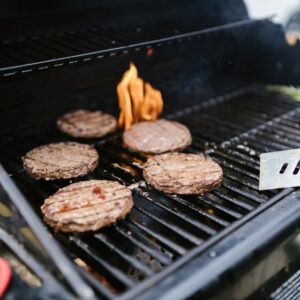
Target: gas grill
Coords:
[[210, 62]]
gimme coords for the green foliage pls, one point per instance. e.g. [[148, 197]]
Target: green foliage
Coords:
[[290, 91]]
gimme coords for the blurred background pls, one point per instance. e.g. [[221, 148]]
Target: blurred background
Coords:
[[286, 13], [282, 9]]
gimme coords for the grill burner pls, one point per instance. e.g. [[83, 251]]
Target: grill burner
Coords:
[[163, 231]]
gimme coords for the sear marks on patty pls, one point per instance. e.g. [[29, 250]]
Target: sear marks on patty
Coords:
[[181, 173], [87, 205], [60, 160], [87, 124], [157, 137]]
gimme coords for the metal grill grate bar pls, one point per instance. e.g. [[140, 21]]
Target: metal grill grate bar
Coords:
[[171, 230], [193, 225], [145, 244], [181, 204], [73, 47], [120, 280], [104, 292], [115, 249], [162, 228], [166, 242]]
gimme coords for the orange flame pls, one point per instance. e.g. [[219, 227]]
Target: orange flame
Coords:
[[138, 100]]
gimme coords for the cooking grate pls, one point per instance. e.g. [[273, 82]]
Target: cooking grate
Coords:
[[162, 229], [69, 48], [290, 289]]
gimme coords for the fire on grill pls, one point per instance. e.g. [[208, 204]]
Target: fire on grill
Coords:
[[138, 100], [196, 225]]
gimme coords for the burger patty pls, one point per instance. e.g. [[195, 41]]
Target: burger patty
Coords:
[[182, 173], [87, 205], [60, 160], [87, 124], [157, 136]]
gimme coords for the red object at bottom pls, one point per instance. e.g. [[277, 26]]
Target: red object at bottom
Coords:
[[5, 275]]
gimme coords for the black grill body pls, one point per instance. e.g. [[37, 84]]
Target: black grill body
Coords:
[[210, 61]]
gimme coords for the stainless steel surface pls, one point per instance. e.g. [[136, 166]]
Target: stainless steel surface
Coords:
[[279, 169]]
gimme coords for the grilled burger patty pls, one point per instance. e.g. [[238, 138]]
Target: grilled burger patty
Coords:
[[60, 160], [182, 173], [157, 136], [87, 205], [87, 124]]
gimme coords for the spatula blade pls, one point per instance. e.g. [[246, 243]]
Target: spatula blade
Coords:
[[279, 169]]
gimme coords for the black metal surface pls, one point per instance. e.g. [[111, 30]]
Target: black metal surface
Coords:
[[164, 231], [57, 49], [77, 284], [289, 290], [285, 283], [240, 263], [22, 286], [208, 50]]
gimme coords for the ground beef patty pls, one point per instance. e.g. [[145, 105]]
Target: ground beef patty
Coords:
[[87, 124], [182, 173], [87, 205], [157, 136], [60, 160]]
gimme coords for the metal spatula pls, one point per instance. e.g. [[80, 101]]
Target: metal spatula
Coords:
[[279, 169]]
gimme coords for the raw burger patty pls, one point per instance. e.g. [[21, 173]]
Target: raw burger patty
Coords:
[[87, 124], [87, 205], [182, 173], [157, 136], [60, 160]]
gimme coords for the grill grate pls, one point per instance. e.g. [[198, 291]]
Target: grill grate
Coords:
[[69, 48], [290, 289], [161, 228]]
